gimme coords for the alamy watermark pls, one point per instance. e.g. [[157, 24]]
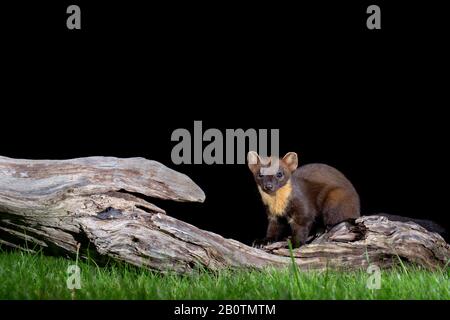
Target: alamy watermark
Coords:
[[73, 281], [214, 146], [73, 277], [374, 280], [73, 21]]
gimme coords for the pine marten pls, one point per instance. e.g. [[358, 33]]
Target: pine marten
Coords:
[[305, 195]]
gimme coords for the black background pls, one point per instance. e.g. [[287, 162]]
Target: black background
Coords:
[[285, 309], [369, 102]]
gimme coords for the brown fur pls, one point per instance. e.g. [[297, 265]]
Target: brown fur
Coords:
[[313, 193]]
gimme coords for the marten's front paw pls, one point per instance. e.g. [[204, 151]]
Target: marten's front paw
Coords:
[[259, 243]]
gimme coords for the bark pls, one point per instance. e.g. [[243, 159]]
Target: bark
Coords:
[[54, 205]]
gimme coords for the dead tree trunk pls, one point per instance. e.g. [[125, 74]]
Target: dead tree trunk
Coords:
[[55, 204]]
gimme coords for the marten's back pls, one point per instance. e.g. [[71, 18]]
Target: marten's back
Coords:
[[322, 174], [323, 185]]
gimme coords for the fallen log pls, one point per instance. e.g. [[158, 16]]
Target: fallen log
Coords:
[[54, 205]]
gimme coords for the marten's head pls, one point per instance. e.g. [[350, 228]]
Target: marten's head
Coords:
[[271, 173]]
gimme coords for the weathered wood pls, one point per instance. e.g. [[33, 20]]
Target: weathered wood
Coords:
[[55, 204], [371, 240]]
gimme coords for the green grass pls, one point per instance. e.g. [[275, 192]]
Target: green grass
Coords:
[[27, 276]]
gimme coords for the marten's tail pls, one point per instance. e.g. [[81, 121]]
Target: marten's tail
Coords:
[[427, 224]]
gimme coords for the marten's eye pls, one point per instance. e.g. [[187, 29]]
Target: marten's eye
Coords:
[[279, 174], [260, 175]]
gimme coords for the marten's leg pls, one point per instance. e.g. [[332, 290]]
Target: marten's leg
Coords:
[[300, 230], [274, 229], [340, 205], [273, 234]]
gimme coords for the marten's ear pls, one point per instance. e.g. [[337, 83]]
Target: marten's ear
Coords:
[[291, 161], [254, 161]]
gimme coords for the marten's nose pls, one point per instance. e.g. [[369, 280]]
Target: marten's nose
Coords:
[[268, 186]]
